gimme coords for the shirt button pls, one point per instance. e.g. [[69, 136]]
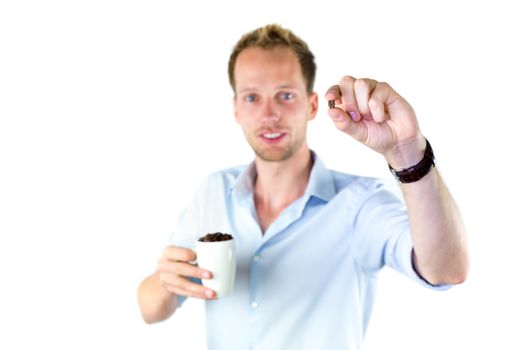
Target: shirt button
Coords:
[[255, 305], [257, 258]]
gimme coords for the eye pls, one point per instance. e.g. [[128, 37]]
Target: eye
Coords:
[[286, 96], [250, 98]]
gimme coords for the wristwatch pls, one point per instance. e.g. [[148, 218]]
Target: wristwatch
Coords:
[[418, 171]]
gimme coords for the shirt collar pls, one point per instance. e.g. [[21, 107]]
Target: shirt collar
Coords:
[[320, 184], [242, 187]]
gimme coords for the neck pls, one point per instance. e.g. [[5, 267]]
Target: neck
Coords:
[[280, 183]]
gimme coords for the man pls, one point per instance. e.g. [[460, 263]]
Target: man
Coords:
[[310, 241]]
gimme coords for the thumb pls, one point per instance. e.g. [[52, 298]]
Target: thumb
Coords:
[[344, 122]]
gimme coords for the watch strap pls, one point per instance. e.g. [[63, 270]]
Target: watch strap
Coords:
[[418, 171]]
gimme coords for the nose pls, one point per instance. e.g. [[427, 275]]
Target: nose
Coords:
[[271, 112]]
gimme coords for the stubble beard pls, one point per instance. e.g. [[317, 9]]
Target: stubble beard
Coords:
[[275, 154]]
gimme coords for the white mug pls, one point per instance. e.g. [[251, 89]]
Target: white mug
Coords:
[[219, 259]]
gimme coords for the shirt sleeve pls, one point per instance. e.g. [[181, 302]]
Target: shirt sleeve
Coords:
[[382, 233]]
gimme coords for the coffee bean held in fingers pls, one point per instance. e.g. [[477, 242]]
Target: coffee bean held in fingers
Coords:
[[331, 104]]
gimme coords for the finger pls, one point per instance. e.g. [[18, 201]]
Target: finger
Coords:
[[349, 102], [343, 122], [378, 99], [196, 290], [334, 94], [184, 284], [209, 295], [178, 254], [362, 90], [184, 287], [183, 269]]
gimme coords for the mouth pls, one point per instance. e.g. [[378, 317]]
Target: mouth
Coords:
[[272, 137]]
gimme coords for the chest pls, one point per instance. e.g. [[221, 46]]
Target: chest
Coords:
[[266, 216]]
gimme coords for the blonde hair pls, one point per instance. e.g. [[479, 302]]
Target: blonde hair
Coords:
[[269, 37]]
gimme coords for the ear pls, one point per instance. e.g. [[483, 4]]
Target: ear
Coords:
[[313, 105]]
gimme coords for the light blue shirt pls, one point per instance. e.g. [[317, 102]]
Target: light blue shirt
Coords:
[[308, 282]]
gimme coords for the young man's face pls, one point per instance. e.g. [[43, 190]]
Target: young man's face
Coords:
[[271, 102]]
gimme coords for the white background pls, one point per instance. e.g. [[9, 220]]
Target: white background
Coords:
[[112, 111]]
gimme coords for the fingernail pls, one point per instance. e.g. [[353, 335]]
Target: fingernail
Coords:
[[354, 116], [209, 293], [206, 275]]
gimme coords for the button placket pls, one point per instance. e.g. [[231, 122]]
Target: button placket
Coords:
[[254, 281]]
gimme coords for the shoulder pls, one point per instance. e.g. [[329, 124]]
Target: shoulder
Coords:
[[220, 180], [225, 176], [361, 188], [345, 182], [206, 208]]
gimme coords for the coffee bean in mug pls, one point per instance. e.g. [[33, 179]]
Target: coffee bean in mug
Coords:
[[216, 253]]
